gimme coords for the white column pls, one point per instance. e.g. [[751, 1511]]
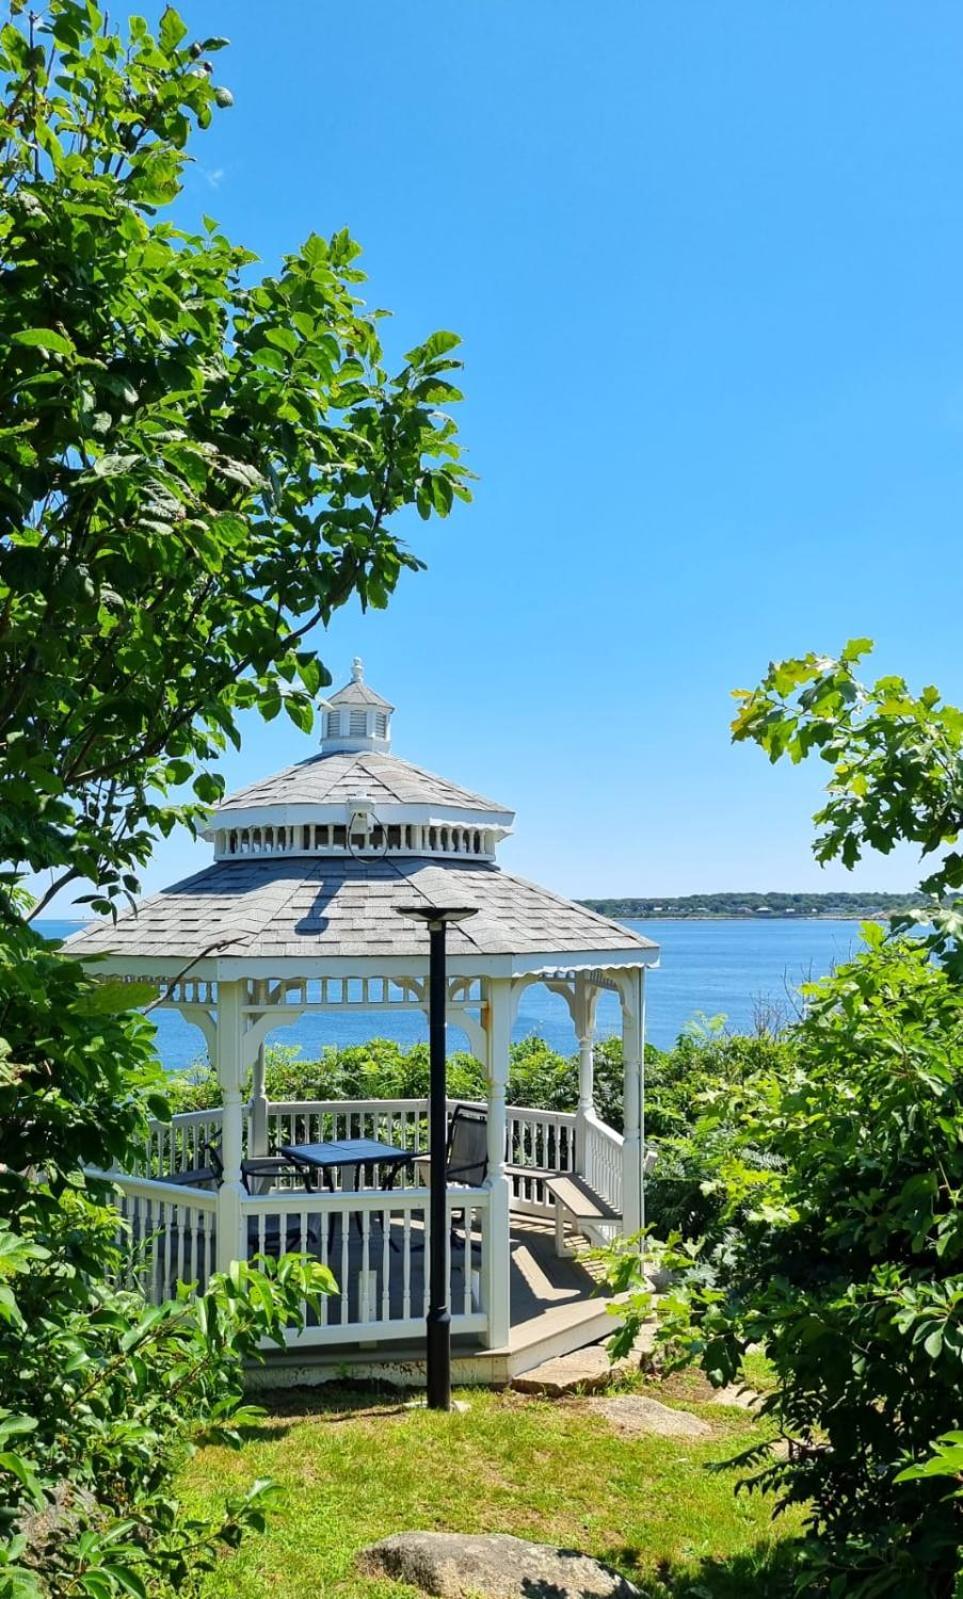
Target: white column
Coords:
[[230, 1072], [632, 1032], [497, 1263], [258, 1123], [583, 1015]]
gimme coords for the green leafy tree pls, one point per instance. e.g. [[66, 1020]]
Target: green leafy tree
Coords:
[[198, 466], [897, 769], [836, 1240], [844, 1261], [94, 1426]]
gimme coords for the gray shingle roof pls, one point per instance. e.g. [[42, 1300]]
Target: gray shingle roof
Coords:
[[333, 778], [358, 693], [341, 907]]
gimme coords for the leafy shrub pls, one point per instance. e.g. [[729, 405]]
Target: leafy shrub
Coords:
[[105, 1402], [846, 1266], [93, 1422], [692, 1096], [383, 1069], [696, 1095], [199, 466]]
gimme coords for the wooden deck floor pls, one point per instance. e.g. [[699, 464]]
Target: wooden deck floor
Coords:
[[549, 1295]]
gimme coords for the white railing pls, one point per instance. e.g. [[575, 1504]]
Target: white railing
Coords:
[[372, 1239], [401, 1122], [543, 1140], [376, 1246], [602, 1161], [169, 1235], [374, 1242]]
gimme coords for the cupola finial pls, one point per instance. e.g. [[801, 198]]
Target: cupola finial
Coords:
[[357, 670]]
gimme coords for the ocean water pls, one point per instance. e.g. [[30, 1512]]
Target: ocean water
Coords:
[[713, 968]]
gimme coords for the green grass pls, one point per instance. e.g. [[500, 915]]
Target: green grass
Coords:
[[354, 1466]]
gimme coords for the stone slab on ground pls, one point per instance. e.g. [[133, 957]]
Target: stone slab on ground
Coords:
[[492, 1566], [635, 1414], [582, 1370]]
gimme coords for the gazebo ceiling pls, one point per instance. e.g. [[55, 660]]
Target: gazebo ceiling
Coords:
[[296, 910]]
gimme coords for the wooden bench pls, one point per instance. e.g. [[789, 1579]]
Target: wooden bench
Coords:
[[582, 1205]]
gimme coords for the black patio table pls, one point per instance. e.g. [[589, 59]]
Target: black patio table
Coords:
[[357, 1152], [324, 1157]]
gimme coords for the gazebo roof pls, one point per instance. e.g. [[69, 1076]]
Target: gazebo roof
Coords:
[[268, 911], [336, 778], [312, 863], [357, 692]]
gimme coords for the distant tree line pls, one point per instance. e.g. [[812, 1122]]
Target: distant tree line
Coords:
[[857, 906]]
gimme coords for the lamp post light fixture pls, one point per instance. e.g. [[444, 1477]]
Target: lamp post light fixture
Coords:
[[438, 1330]]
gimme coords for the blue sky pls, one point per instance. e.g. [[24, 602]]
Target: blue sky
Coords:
[[706, 262]]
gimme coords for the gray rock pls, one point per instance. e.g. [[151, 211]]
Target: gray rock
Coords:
[[568, 1374], [584, 1369], [632, 1414], [492, 1566]]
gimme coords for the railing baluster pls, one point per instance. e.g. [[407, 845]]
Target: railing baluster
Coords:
[[323, 1229], [163, 1245], [469, 1221], [180, 1223], [345, 1279], [209, 1234], [364, 1281], [426, 1223]]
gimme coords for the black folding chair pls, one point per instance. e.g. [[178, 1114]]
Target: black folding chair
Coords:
[[194, 1177], [270, 1166], [466, 1153]]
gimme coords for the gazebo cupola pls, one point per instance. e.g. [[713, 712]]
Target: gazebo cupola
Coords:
[[356, 718], [355, 799]]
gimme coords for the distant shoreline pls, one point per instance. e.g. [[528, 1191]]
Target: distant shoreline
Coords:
[[757, 917], [758, 907], [745, 916]]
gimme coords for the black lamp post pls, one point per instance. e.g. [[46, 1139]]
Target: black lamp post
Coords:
[[438, 1336]]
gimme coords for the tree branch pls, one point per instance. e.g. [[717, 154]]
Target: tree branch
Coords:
[[55, 887]]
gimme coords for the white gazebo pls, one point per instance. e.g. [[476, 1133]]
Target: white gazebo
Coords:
[[298, 914]]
